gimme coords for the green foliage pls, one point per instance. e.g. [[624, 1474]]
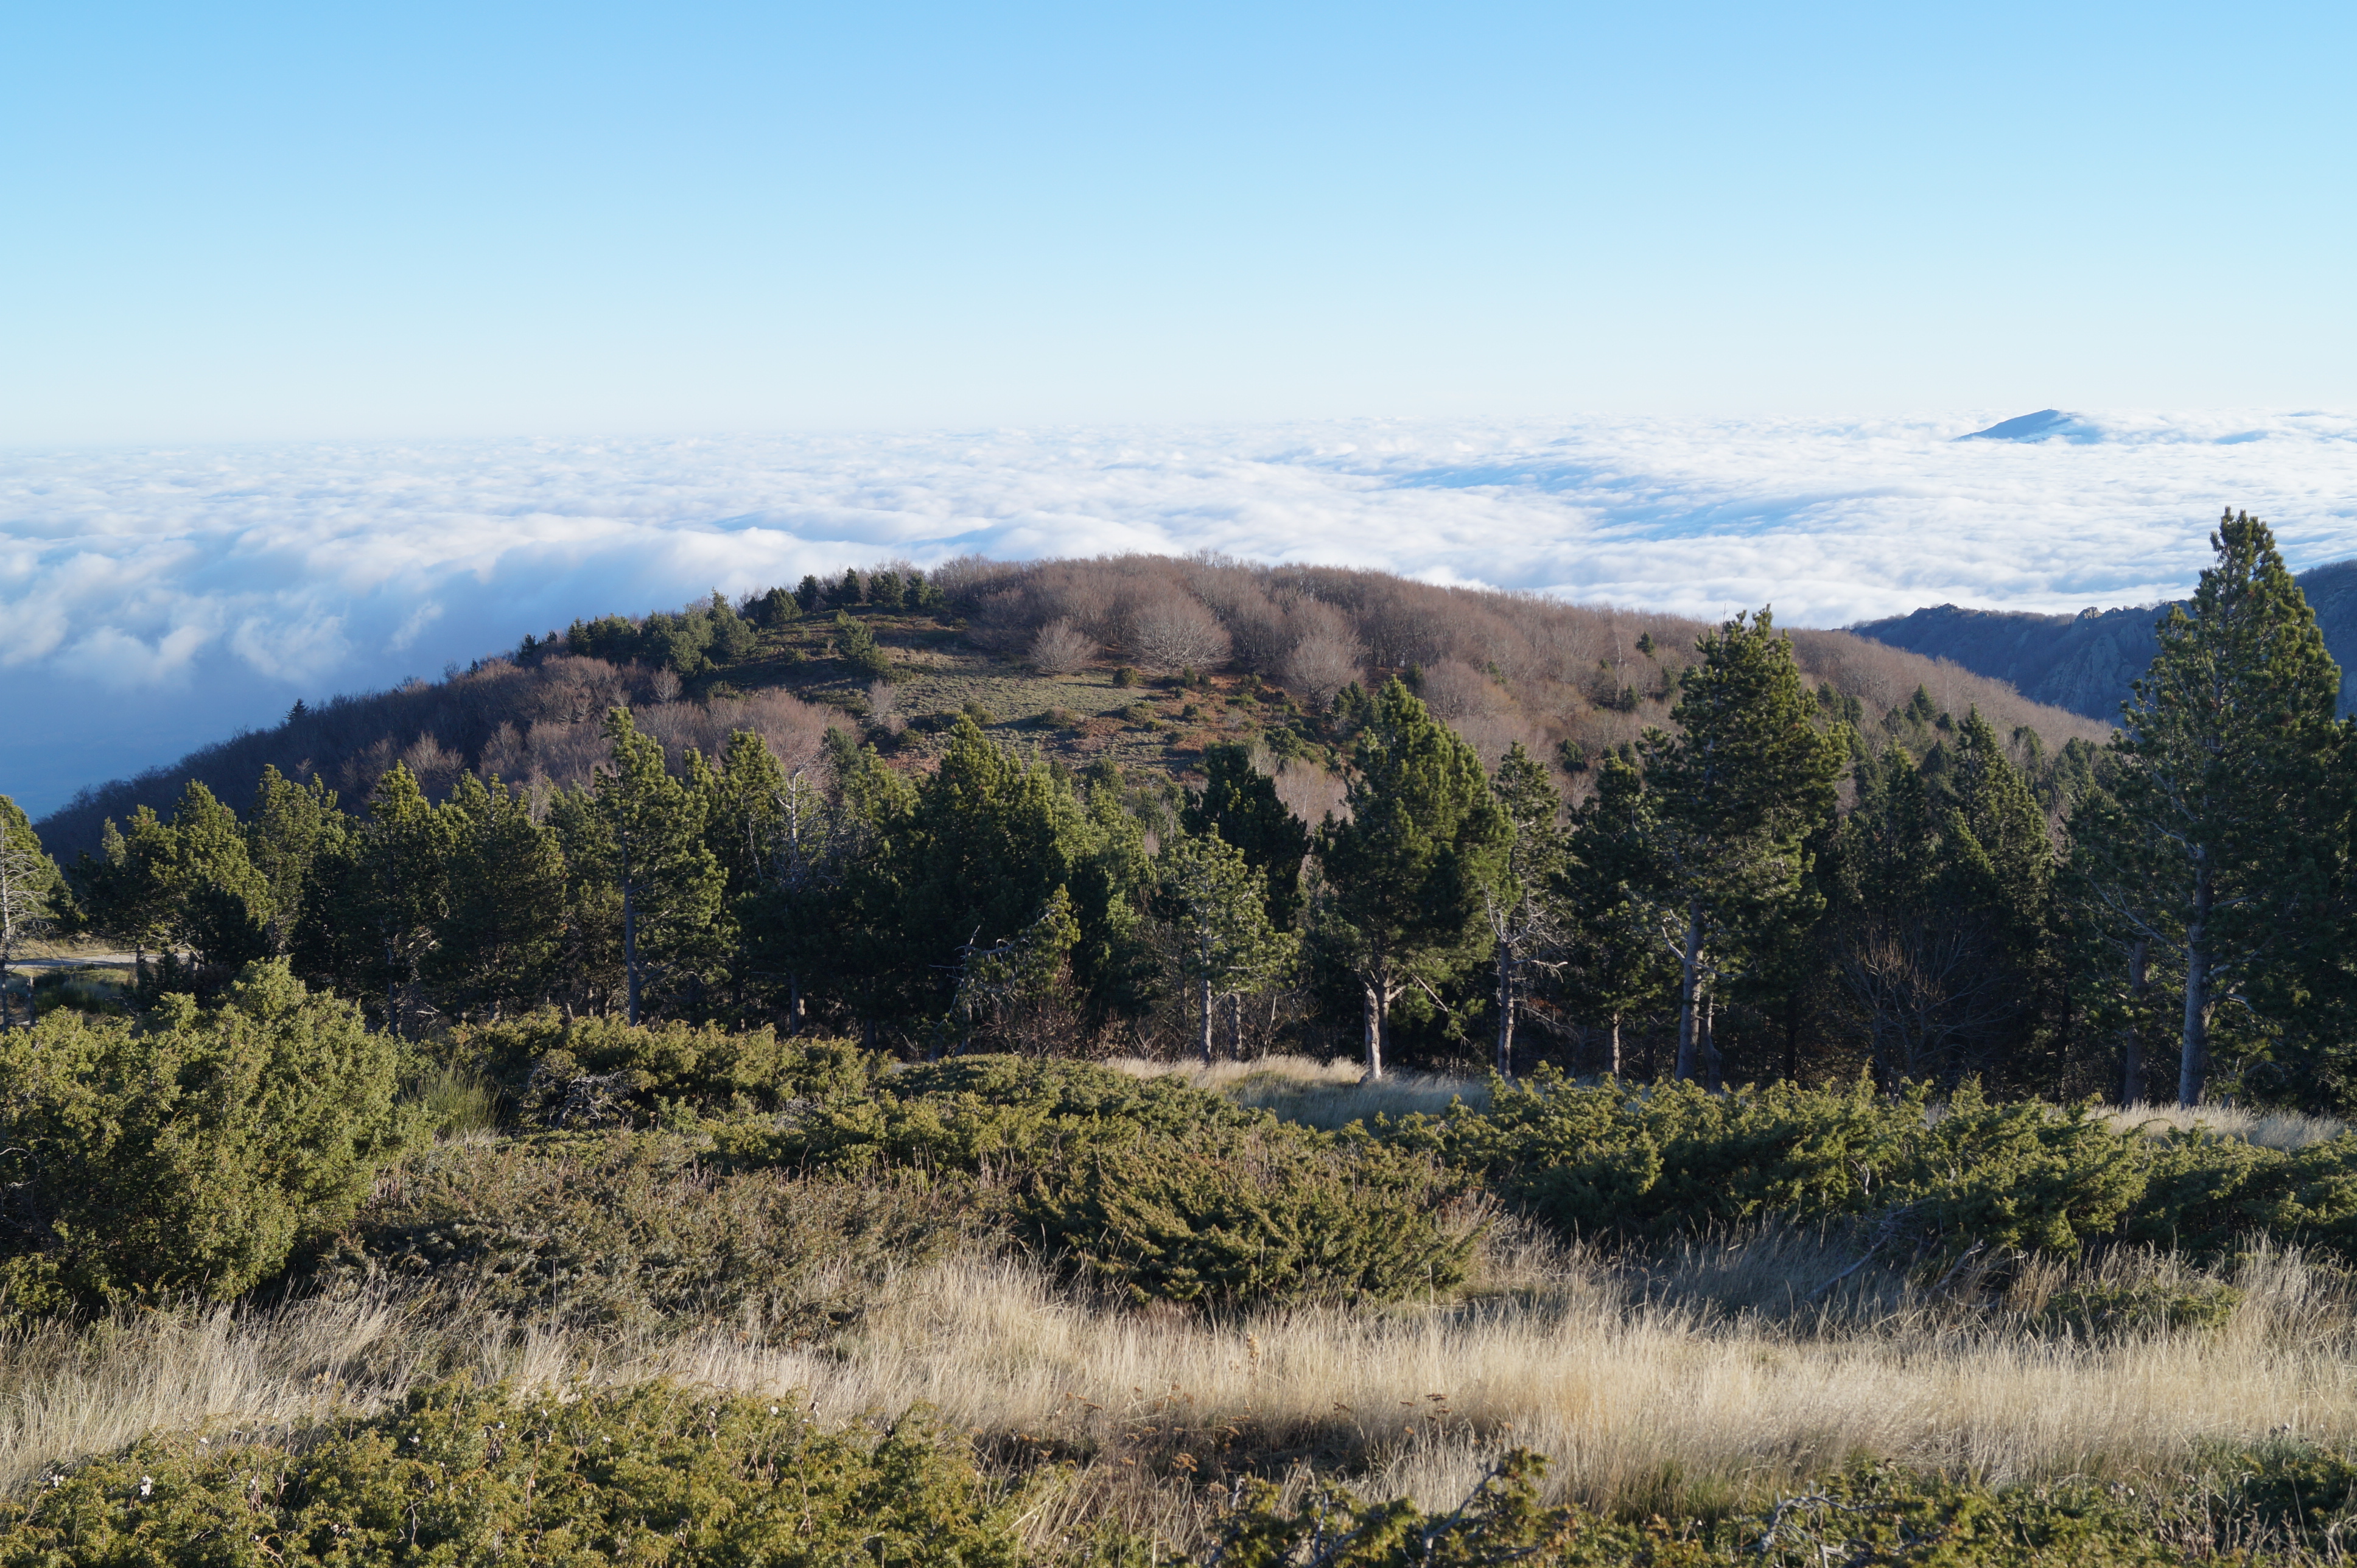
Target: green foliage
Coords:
[[1239, 802], [194, 1151], [1406, 872], [564, 1071], [1737, 793], [577, 1478], [640, 1232], [998, 1113], [650, 849], [2231, 802], [1980, 1175], [1254, 1216], [1877, 1515], [858, 647], [1214, 903], [2141, 1306]]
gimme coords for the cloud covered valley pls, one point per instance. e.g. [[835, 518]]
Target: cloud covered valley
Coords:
[[153, 600]]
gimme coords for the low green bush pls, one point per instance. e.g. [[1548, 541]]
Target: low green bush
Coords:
[[1931, 1184], [594, 1071], [191, 1152], [650, 1476], [1164, 1191], [1256, 1215], [633, 1231], [1882, 1517], [993, 1115]]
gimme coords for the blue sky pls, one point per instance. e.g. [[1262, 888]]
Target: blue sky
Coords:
[[247, 222]]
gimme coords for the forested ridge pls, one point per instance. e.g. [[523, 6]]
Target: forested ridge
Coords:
[[1427, 862], [2088, 662]]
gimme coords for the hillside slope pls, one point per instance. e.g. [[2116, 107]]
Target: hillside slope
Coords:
[[2085, 662], [1140, 662]]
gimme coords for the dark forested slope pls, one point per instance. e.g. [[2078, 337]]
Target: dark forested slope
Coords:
[[2085, 662]]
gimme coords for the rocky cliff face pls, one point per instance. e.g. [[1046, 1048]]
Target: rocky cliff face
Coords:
[[2085, 662]]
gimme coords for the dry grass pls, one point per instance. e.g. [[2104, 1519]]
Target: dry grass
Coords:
[[1318, 1094], [1707, 1379], [2271, 1129]]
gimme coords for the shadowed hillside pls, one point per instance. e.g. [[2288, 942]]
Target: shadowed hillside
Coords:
[[2085, 662]]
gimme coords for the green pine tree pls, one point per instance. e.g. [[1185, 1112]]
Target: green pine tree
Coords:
[[669, 884], [1742, 786], [1522, 904], [283, 835], [1215, 904], [30, 893], [1616, 966], [1239, 802], [1404, 873], [502, 922], [2227, 790]]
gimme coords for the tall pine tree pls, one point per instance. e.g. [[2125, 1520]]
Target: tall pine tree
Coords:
[[2230, 808], [1404, 873], [1741, 787]]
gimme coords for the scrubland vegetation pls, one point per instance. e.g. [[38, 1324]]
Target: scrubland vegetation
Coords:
[[1333, 1105]]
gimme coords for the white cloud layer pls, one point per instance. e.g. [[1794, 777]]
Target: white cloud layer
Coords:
[[153, 600]]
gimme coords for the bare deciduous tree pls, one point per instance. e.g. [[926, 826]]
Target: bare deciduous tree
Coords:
[[1059, 648], [1176, 632], [1322, 664]]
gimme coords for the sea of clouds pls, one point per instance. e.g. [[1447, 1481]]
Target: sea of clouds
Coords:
[[151, 600]]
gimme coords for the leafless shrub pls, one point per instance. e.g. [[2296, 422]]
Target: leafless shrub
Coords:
[[435, 767], [1059, 648], [1309, 791], [506, 754], [664, 685], [1321, 665], [1176, 632], [1453, 689], [1492, 735], [963, 579], [882, 698]]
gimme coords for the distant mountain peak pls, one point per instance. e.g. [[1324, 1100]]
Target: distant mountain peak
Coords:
[[2036, 426]]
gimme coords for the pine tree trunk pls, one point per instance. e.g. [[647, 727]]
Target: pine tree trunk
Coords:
[[1374, 1033], [630, 947], [1708, 1049], [2193, 1065], [1204, 991], [1236, 1026], [1505, 1013], [1615, 1067], [1689, 967], [2132, 1067]]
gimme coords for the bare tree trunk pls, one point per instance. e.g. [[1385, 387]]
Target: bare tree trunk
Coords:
[[1614, 1066], [1204, 1038], [1236, 1026], [2193, 1066], [1374, 1033], [2132, 1069], [1505, 1013], [1708, 1049], [1689, 967], [630, 945]]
